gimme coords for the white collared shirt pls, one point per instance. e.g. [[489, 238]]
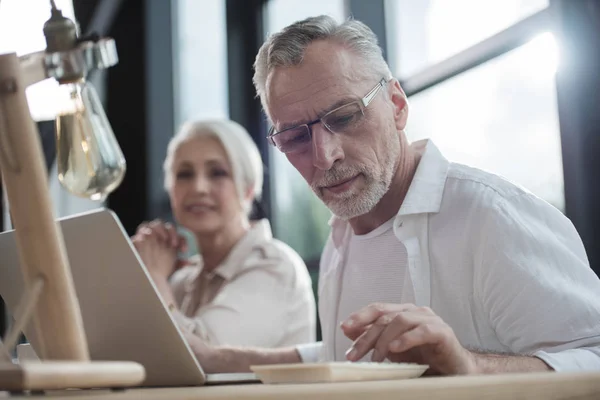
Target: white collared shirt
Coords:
[[374, 272], [506, 270], [260, 295]]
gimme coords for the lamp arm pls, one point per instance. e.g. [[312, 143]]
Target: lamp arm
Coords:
[[70, 64]]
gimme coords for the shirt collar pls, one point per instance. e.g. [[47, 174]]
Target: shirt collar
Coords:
[[424, 193], [257, 235], [427, 187]]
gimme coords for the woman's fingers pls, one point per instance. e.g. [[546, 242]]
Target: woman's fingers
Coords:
[[165, 232]]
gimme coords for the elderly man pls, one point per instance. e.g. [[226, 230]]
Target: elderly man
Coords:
[[428, 261]]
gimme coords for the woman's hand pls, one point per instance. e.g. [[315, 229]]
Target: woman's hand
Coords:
[[158, 243]]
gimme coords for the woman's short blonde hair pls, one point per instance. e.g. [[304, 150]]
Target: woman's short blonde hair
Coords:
[[243, 154]]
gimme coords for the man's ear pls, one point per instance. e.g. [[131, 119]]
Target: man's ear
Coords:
[[400, 104]]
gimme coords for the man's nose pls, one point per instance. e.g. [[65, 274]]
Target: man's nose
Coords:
[[327, 147]]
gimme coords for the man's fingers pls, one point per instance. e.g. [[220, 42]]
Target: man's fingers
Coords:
[[364, 343], [422, 334], [400, 324], [369, 315], [377, 326], [355, 333]]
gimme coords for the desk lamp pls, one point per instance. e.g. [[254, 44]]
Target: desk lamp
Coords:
[[90, 164]]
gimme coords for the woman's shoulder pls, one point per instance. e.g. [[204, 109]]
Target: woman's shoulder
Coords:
[[276, 256], [260, 251], [275, 248], [267, 247]]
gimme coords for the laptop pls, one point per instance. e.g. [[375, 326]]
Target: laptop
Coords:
[[124, 317]]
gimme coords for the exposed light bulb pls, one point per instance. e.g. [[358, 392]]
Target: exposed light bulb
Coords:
[[89, 160]]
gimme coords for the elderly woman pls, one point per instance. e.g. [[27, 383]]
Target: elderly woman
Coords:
[[245, 288]]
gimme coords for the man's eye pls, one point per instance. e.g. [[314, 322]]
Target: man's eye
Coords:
[[342, 121], [296, 138], [292, 138]]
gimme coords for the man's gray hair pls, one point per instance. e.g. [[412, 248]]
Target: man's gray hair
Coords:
[[286, 48]]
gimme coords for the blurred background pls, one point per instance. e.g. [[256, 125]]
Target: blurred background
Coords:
[[510, 86]]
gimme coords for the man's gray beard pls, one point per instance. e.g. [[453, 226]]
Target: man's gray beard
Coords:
[[350, 205], [354, 205]]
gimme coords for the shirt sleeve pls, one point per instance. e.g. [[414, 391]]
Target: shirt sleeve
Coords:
[[250, 309], [310, 352], [536, 285]]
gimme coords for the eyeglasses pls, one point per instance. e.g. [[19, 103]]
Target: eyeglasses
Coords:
[[344, 119]]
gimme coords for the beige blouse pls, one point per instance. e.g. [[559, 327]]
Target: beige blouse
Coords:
[[261, 295]]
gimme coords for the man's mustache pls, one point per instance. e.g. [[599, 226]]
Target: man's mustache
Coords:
[[335, 176]]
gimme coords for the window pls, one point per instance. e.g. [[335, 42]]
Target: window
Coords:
[[200, 68], [281, 13], [201, 64], [423, 32], [21, 24], [299, 217], [502, 117]]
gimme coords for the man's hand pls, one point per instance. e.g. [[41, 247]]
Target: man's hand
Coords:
[[406, 333], [158, 244]]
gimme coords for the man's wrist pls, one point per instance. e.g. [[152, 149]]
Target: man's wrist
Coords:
[[472, 364], [489, 363]]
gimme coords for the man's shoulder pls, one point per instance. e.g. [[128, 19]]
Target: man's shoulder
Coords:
[[472, 195], [464, 180]]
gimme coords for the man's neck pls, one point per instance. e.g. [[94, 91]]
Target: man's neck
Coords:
[[390, 203]]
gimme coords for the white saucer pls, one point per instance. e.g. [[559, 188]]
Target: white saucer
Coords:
[[336, 372]]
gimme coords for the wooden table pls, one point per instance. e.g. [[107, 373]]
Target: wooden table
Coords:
[[532, 386]]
